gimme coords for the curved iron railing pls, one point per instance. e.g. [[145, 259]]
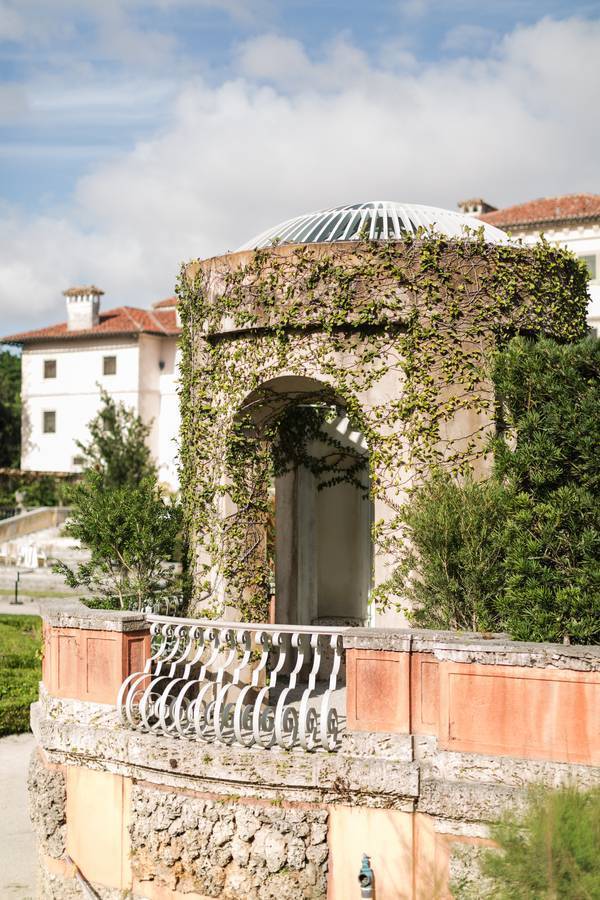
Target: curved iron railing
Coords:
[[239, 683]]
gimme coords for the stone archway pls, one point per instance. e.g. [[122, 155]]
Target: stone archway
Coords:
[[322, 515]]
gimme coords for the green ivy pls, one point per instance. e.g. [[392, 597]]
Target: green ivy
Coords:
[[427, 310]]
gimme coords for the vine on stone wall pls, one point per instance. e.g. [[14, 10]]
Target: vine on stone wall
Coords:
[[417, 317]]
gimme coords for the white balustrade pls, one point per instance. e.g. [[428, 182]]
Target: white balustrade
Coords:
[[237, 683]]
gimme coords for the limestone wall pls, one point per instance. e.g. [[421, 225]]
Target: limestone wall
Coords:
[[227, 848]]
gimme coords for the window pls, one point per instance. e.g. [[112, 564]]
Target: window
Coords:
[[109, 365], [78, 461], [590, 262], [49, 368], [49, 421]]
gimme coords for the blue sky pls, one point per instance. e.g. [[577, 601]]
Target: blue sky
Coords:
[[138, 133]]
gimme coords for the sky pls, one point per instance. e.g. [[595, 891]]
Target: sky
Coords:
[[136, 134]]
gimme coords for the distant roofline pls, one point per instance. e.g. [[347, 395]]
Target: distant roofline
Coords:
[[130, 327], [167, 303], [546, 211]]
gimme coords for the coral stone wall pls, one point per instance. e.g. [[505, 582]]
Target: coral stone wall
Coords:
[[228, 849], [47, 808]]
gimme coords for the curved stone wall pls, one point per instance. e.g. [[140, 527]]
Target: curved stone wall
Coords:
[[152, 817]]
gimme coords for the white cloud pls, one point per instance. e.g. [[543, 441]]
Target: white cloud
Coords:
[[414, 8], [121, 28], [469, 39], [285, 62], [236, 158], [13, 102], [242, 10], [12, 23]]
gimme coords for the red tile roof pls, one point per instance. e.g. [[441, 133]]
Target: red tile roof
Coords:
[[547, 210], [123, 320], [165, 304]]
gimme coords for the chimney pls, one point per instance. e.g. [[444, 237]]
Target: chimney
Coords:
[[475, 207], [83, 307]]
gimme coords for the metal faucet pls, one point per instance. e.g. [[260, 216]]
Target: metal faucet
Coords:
[[366, 878]]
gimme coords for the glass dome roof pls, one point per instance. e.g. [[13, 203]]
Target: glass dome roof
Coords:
[[377, 220]]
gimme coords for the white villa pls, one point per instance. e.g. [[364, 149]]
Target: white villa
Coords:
[[131, 353], [571, 221]]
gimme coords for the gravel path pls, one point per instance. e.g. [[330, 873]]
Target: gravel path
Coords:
[[17, 844]]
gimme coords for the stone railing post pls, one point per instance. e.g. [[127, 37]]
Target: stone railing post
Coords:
[[378, 680], [89, 652]]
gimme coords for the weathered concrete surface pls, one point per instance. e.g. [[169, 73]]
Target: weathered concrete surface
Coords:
[[98, 740], [17, 842], [47, 806], [74, 614], [28, 607], [32, 521]]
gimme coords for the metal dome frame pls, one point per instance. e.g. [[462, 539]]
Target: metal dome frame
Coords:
[[374, 220]]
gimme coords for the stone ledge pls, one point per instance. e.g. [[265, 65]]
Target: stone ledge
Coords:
[[475, 648], [74, 614], [477, 768], [399, 639], [482, 802], [205, 767]]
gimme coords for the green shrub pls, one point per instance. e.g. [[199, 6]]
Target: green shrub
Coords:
[[521, 552], [20, 670], [45, 490], [35, 490], [549, 853], [452, 572], [10, 409], [551, 568], [551, 400]]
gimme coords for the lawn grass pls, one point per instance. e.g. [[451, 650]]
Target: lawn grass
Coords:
[[20, 670], [38, 595]]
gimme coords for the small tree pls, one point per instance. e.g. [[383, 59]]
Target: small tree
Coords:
[[122, 516], [452, 571], [118, 447], [132, 533]]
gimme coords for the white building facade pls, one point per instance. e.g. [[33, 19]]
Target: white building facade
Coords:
[[128, 352], [571, 221]]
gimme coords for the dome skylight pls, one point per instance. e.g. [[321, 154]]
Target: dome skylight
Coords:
[[377, 220]]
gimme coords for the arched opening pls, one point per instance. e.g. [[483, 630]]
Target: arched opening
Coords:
[[319, 536]]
